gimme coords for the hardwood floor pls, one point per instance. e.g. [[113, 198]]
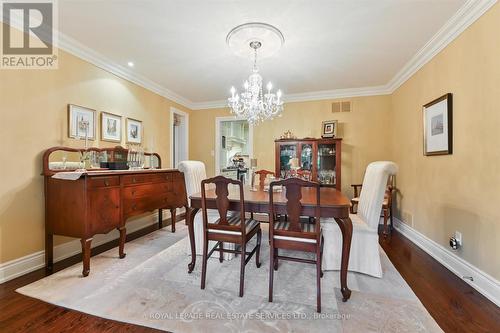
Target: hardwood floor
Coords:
[[454, 304]]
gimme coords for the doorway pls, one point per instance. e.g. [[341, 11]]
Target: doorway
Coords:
[[233, 147], [179, 137]]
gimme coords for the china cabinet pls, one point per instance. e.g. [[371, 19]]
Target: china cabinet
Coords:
[[321, 157]]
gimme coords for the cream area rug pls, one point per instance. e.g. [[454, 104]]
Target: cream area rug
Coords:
[[151, 287]]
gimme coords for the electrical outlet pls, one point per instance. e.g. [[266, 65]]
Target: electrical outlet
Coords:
[[458, 237]]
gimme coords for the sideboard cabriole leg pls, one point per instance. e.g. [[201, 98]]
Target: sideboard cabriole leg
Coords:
[[123, 237], [173, 218], [49, 251], [191, 213], [160, 218], [345, 225], [86, 242]]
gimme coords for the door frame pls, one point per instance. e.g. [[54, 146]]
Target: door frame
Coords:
[[218, 121], [186, 134]]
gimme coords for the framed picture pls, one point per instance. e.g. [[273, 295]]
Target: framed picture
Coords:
[[81, 122], [438, 127], [134, 131], [111, 127], [329, 129]]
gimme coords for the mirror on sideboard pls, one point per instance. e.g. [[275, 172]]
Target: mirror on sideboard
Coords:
[[118, 158]]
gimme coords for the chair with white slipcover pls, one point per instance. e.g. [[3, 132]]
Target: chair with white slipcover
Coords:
[[194, 173], [364, 255]]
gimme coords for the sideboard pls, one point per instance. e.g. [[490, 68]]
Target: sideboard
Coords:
[[100, 201]]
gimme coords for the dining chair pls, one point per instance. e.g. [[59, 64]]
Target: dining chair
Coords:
[[263, 175], [386, 205], [304, 174], [294, 233], [233, 228], [364, 255], [262, 178]]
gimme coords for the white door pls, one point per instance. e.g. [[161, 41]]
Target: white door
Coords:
[[179, 137]]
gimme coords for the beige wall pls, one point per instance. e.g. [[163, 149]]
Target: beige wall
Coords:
[[460, 191], [33, 117], [437, 195], [365, 133]]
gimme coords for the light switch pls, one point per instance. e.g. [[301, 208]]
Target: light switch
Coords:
[[212, 153]]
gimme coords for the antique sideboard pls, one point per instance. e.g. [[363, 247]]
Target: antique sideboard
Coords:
[[101, 200]]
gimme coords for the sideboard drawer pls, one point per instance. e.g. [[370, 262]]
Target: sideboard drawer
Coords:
[[148, 178], [103, 181], [146, 190], [142, 205]]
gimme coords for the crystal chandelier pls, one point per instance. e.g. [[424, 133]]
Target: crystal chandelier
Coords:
[[252, 104]]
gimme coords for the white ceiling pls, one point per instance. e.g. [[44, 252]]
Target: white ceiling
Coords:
[[329, 45]]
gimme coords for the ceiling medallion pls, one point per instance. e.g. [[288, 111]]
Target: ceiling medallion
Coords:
[[252, 104]]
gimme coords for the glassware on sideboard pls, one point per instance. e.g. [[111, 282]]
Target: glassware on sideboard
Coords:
[[135, 157]]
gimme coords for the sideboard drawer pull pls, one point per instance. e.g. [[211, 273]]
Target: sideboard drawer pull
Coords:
[[106, 183]]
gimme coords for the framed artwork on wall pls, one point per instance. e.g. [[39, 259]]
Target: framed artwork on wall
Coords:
[[111, 127], [81, 122], [438, 126], [329, 129], [134, 131]]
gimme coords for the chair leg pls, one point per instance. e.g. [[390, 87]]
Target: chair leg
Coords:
[[275, 252], [204, 262], [257, 254], [242, 269], [271, 272], [318, 279], [221, 254], [321, 255], [390, 214], [385, 221]]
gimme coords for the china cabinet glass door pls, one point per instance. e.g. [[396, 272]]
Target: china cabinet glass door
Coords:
[[326, 164], [287, 153], [306, 156]]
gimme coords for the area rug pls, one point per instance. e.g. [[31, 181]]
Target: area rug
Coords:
[[151, 287]]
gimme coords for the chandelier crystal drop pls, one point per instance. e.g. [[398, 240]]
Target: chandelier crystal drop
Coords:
[[252, 104]]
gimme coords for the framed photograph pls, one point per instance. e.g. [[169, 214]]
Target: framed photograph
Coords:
[[111, 127], [134, 131], [81, 122], [438, 126], [329, 129]]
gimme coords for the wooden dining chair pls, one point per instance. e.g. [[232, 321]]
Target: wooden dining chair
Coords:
[[263, 175], [296, 234], [304, 174], [233, 228]]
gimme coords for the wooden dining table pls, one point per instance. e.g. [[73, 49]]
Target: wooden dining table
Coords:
[[333, 205]]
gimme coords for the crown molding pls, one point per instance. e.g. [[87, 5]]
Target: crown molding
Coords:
[[461, 20], [337, 93], [81, 51], [70, 45], [309, 96]]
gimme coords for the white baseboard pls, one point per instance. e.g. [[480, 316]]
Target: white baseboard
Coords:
[[17, 267], [482, 282]]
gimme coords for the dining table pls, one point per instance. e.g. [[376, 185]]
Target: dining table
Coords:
[[333, 204]]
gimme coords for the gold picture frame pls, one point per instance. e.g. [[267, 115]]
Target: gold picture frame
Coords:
[[74, 113], [134, 131], [111, 127], [329, 128]]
